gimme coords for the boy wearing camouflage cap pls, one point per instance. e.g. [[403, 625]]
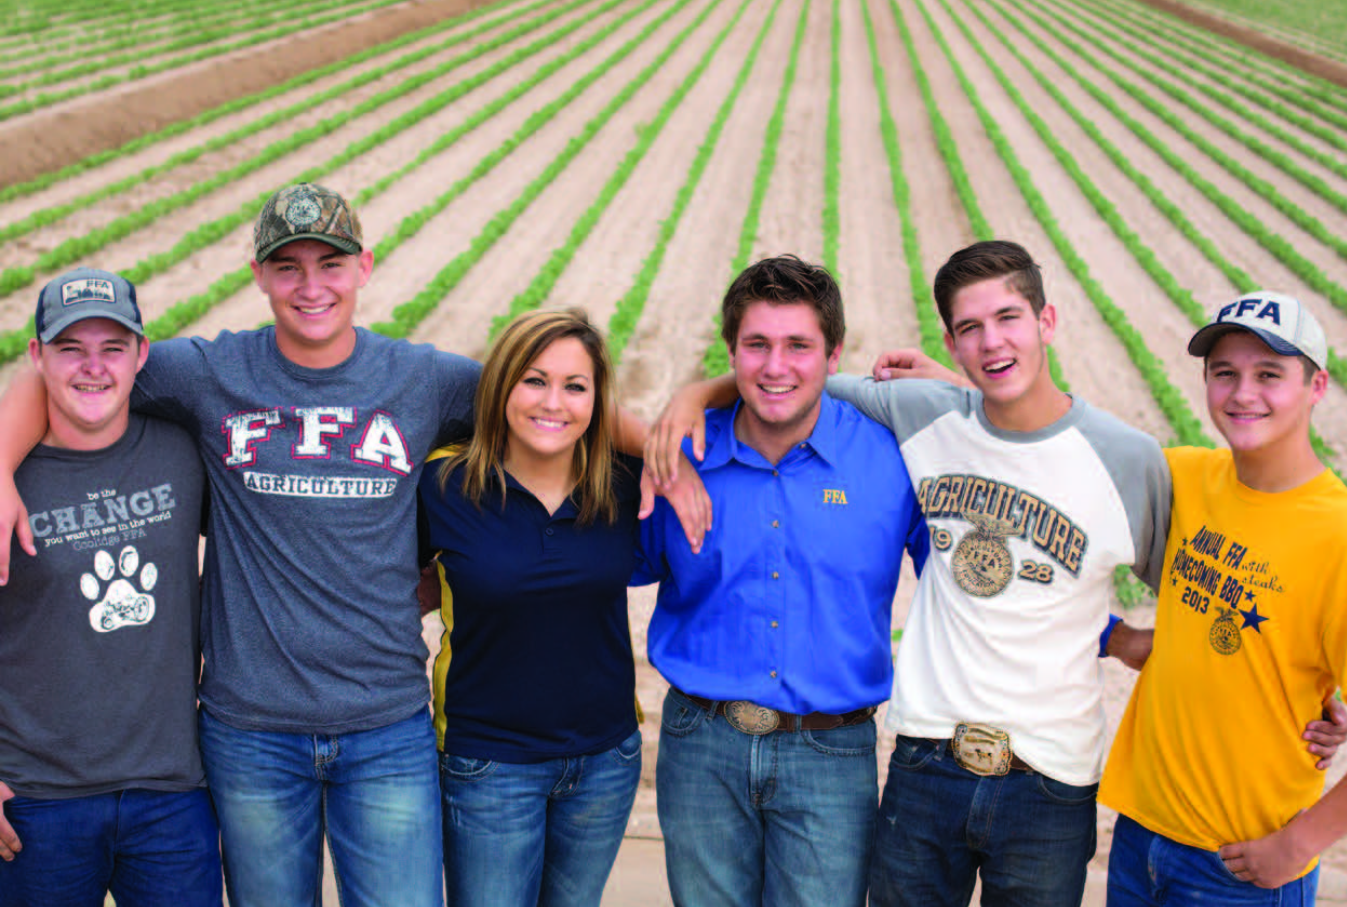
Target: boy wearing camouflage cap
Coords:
[[102, 782], [1217, 802], [314, 696]]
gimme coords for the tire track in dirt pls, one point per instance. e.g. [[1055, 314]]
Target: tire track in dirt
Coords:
[[1092, 359], [512, 262], [52, 138]]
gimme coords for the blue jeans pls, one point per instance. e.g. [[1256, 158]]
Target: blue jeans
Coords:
[[149, 848], [939, 825], [782, 819], [541, 834], [375, 793], [1145, 868]]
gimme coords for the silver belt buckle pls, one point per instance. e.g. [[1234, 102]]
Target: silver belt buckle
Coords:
[[982, 749], [751, 718]]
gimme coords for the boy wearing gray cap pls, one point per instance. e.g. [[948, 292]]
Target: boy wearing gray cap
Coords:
[[1218, 802], [314, 721], [103, 786]]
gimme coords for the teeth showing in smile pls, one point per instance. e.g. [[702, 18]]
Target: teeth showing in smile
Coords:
[[313, 310], [548, 423], [91, 388], [997, 368], [776, 389]]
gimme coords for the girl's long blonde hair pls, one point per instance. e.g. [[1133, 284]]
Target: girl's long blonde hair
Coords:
[[522, 342]]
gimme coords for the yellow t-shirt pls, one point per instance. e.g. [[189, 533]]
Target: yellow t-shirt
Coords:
[[1250, 637]]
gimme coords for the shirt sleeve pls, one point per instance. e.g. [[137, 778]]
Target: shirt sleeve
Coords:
[[650, 565], [906, 406], [457, 380], [171, 380]]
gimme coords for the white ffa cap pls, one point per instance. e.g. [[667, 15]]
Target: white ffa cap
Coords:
[[1278, 320]]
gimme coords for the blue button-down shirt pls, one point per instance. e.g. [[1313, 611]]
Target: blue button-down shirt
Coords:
[[789, 603]]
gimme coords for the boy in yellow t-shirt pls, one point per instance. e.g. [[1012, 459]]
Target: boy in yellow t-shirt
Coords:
[[1219, 802]]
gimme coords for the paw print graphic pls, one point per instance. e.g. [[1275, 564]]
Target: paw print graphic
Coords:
[[122, 604]]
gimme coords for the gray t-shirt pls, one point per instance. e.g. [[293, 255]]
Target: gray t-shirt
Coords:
[[98, 633], [311, 623]]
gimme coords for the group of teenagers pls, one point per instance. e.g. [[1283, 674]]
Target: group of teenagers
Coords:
[[169, 728]]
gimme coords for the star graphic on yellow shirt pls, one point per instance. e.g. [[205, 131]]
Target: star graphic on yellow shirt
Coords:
[[1252, 619]]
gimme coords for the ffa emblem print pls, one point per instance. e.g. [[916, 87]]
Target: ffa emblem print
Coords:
[[982, 563], [1224, 635], [302, 211]]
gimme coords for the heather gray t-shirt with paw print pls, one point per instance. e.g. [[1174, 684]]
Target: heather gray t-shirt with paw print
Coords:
[[99, 632]]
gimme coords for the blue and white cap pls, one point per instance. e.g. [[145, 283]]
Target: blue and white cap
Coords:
[[86, 293], [1278, 320]]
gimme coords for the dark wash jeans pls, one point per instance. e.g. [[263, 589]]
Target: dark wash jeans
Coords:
[[940, 825]]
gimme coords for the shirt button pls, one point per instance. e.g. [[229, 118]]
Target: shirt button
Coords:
[[773, 673], [550, 531], [776, 575], [775, 473], [776, 524], [774, 625]]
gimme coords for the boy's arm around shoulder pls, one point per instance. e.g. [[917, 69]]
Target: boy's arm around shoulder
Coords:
[[23, 422], [905, 407]]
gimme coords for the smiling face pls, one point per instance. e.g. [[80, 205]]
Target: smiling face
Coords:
[[781, 362], [312, 289], [1260, 401], [88, 370], [1003, 346], [549, 410]]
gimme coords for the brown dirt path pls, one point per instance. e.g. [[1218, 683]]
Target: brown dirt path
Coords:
[[1094, 362], [49, 139], [1332, 70]]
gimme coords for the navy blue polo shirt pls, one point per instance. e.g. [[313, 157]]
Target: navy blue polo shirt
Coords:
[[536, 663]]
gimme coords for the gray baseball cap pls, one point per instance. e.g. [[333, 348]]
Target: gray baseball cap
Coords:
[[86, 293], [1278, 320], [305, 211]]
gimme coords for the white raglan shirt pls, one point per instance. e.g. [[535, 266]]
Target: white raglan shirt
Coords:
[[1026, 531]]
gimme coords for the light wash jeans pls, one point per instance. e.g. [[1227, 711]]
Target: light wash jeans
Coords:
[[375, 793], [543, 834], [783, 819], [940, 825], [149, 848], [1145, 869]]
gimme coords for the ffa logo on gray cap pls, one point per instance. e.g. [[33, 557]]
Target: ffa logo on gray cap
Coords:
[[91, 289]]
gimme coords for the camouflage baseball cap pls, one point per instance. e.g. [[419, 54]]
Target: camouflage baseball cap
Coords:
[[305, 211]]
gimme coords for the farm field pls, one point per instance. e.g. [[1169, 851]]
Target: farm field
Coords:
[[1320, 27], [630, 156]]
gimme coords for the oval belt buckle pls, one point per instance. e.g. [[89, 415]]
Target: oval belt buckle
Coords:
[[751, 718]]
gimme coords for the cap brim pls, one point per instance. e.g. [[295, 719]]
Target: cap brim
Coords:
[[1205, 339], [343, 245], [54, 330]]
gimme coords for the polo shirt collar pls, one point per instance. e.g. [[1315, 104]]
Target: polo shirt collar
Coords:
[[725, 447], [567, 508]]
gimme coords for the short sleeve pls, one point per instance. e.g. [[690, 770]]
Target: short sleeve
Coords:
[[456, 380], [171, 380]]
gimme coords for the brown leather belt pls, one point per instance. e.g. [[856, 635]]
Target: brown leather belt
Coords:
[[757, 720], [1015, 761]]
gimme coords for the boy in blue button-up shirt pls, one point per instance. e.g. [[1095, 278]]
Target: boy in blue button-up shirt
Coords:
[[775, 637]]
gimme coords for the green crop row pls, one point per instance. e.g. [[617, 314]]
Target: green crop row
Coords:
[[44, 99], [11, 342], [174, 34], [1144, 255], [929, 328], [76, 248], [1180, 416], [1241, 280], [1229, 56], [832, 158], [1308, 272], [96, 160], [627, 311], [716, 359], [1254, 144], [47, 216], [1194, 62], [407, 316], [542, 284], [189, 310]]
